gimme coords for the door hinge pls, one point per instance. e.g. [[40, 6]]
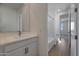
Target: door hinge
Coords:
[[76, 9], [76, 37]]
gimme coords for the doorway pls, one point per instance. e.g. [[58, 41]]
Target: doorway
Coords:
[[65, 26]]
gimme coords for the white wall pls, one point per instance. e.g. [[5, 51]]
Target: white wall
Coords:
[[38, 23], [53, 24], [51, 27], [8, 19], [34, 17]]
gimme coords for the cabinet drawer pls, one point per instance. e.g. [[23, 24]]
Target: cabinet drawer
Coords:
[[27, 50], [33, 49], [17, 52], [13, 46]]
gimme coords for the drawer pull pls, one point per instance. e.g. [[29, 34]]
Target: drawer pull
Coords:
[[26, 50]]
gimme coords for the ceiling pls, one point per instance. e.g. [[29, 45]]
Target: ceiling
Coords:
[[53, 8]]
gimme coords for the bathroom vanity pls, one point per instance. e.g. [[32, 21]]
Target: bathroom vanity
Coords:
[[13, 45]]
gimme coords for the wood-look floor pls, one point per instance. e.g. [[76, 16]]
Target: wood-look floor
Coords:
[[60, 49]]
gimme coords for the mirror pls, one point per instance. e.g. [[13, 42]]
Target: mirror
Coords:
[[11, 17]]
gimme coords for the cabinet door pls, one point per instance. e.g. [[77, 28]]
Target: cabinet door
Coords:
[[27, 50], [18, 52], [1, 51], [32, 49]]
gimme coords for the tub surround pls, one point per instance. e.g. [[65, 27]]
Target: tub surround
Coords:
[[6, 38]]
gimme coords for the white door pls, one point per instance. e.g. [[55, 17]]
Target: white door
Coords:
[[74, 30]]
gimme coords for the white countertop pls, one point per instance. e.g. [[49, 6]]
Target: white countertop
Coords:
[[6, 38]]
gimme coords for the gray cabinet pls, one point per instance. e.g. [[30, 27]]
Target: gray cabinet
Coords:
[[27, 47], [27, 50]]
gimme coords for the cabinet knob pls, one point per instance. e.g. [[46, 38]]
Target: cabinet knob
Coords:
[[26, 50]]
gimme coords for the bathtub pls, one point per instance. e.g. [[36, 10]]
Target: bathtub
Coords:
[[51, 43]]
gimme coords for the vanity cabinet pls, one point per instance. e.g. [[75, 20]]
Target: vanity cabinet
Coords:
[[27, 50], [27, 47]]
